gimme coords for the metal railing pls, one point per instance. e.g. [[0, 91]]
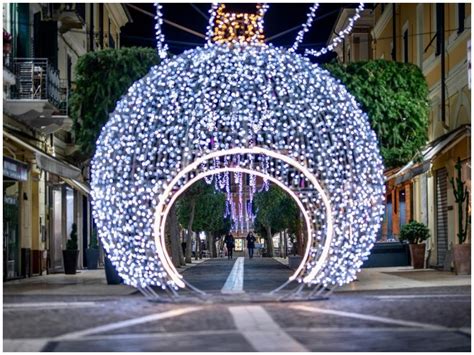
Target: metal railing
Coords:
[[36, 79]]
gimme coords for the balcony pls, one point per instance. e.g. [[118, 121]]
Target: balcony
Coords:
[[39, 98], [71, 16]]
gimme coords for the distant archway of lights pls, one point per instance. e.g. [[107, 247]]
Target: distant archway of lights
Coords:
[[249, 108]]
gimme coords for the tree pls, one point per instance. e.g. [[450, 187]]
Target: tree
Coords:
[[201, 208], [395, 97], [275, 212], [102, 77]]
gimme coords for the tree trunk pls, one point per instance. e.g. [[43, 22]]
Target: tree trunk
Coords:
[[198, 247], [174, 235], [299, 238], [269, 241], [181, 252], [189, 241], [213, 242], [209, 243], [285, 241]]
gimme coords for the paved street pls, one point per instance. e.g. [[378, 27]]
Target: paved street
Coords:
[[116, 318]]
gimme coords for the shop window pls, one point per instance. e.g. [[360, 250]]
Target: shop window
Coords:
[[69, 210], [388, 216], [402, 208]]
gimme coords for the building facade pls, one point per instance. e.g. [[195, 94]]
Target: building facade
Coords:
[[436, 38], [45, 184]]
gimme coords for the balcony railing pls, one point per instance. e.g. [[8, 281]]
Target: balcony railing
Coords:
[[37, 80]]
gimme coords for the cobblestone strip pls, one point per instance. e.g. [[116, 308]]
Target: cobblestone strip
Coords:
[[371, 318], [126, 323], [261, 331]]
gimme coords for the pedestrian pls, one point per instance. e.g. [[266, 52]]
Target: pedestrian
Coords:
[[251, 244], [230, 244]]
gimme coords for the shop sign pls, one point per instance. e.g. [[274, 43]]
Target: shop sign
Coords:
[[15, 169]]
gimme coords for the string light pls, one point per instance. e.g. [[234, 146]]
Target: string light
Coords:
[[340, 36], [161, 46], [306, 27], [210, 26]]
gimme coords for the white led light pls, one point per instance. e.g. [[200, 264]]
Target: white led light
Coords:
[[306, 27], [340, 36], [161, 46], [193, 116]]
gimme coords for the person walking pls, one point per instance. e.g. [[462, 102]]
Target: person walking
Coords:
[[251, 244], [230, 244]]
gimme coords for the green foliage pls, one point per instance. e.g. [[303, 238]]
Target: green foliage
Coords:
[[275, 209], [414, 232], [72, 242], [395, 97], [93, 242], [102, 77], [209, 209], [461, 195]]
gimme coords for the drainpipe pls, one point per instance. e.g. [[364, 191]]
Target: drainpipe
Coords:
[[443, 62], [394, 33]]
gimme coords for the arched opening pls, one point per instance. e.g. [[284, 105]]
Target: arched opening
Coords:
[[203, 216], [309, 197]]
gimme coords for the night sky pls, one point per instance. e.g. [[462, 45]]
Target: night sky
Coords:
[[279, 17]]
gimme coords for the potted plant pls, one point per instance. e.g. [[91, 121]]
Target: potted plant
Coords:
[[71, 253], [415, 233], [92, 253], [111, 274], [462, 250]]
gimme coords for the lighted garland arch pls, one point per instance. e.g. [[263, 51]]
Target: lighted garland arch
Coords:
[[254, 108]]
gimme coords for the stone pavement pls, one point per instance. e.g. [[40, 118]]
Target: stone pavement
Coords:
[[400, 277], [43, 315]]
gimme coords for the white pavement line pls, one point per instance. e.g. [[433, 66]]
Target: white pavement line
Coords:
[[261, 331], [370, 318], [24, 345], [390, 297], [47, 305], [235, 280], [126, 323]]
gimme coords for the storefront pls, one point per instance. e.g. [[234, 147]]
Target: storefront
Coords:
[[14, 172]]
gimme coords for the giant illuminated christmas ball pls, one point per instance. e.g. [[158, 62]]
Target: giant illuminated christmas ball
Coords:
[[251, 108]]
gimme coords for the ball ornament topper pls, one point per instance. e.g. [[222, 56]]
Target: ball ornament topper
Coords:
[[238, 107]]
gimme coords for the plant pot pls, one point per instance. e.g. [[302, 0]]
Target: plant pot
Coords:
[[7, 48], [70, 261], [92, 258], [462, 259], [294, 261], [111, 274], [417, 254]]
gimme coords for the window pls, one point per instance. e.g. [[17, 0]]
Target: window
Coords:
[[419, 35], [439, 27], [69, 72], [461, 16], [405, 46]]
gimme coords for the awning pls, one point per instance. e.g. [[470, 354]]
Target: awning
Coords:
[[47, 162], [437, 147], [80, 186], [69, 173]]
